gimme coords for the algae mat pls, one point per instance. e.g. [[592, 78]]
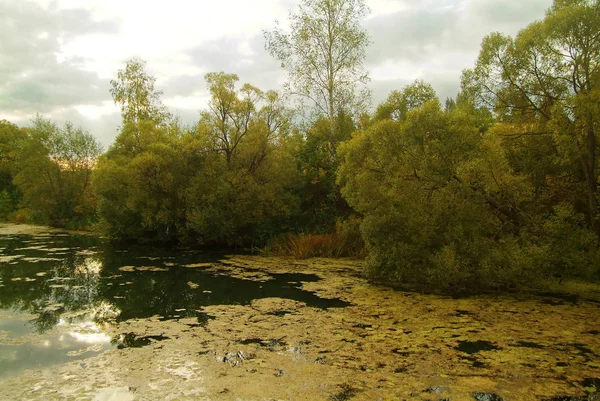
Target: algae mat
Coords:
[[384, 345]]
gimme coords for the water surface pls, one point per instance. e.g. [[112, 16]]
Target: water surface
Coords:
[[57, 290]]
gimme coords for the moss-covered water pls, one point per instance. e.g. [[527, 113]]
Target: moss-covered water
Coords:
[[80, 319]]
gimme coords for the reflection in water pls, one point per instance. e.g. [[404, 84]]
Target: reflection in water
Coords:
[[62, 288], [68, 340]]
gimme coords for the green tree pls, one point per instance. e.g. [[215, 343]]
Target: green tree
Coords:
[[134, 91], [141, 183], [440, 202], [240, 192], [399, 103], [545, 84], [323, 56], [54, 173], [11, 138]]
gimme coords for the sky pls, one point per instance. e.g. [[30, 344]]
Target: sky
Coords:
[[57, 57]]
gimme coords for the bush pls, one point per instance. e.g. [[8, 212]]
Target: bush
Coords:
[[346, 241]]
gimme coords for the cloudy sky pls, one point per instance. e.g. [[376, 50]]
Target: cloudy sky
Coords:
[[57, 57]]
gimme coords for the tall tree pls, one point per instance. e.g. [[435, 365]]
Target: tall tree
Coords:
[[242, 185], [134, 91], [323, 56], [546, 83]]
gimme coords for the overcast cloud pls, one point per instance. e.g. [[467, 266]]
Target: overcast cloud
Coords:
[[58, 56]]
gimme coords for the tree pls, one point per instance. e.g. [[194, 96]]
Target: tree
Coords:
[[134, 91], [11, 138], [399, 103], [545, 83], [241, 186], [323, 56], [54, 173], [141, 183], [440, 202]]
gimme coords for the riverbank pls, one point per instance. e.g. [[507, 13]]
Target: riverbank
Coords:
[[385, 344]]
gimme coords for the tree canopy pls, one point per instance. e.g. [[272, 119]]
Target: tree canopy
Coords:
[[496, 189]]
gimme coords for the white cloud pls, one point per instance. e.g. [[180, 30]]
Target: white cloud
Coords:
[[58, 56]]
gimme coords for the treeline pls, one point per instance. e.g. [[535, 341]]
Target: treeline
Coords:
[[46, 174], [494, 188]]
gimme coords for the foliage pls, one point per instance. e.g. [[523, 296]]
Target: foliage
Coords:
[[323, 56], [496, 189], [220, 182], [54, 166], [10, 140], [138, 184], [544, 83], [242, 185], [399, 103], [134, 91], [442, 205]]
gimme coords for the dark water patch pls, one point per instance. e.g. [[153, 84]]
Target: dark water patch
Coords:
[[487, 397], [591, 383], [558, 298], [473, 347], [528, 344], [529, 365], [280, 313], [345, 393], [476, 363], [268, 343], [132, 340], [79, 280], [203, 318], [401, 352], [582, 350]]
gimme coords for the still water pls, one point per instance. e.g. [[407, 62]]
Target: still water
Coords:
[[58, 290]]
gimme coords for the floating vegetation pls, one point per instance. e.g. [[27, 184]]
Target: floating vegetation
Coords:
[[143, 269], [198, 265], [10, 258], [385, 344], [38, 260]]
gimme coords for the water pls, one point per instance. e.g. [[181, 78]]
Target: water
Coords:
[[57, 291]]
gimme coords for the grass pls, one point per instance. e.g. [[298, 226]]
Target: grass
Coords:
[[305, 246]]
